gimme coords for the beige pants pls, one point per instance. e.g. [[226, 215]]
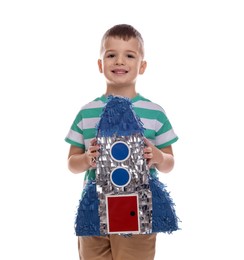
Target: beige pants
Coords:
[[115, 247]]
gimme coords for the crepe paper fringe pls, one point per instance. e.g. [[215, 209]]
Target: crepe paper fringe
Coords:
[[118, 118], [164, 218], [87, 219]]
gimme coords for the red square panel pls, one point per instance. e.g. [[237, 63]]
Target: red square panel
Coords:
[[122, 213]]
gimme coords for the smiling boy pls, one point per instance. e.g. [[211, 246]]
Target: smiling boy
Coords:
[[121, 62]]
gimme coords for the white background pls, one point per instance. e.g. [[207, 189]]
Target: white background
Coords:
[[48, 70]]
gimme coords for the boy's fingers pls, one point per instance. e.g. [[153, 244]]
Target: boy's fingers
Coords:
[[93, 141], [147, 142]]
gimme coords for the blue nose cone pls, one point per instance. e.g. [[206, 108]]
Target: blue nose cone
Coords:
[[119, 118]]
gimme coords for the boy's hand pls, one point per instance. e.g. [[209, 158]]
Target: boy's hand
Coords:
[[152, 153], [93, 153]]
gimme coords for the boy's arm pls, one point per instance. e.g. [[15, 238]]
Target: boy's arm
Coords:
[[79, 160], [163, 158], [166, 164]]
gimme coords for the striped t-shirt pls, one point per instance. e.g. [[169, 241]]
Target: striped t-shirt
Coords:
[[157, 126]]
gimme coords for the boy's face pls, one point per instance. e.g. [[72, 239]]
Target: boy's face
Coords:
[[121, 61]]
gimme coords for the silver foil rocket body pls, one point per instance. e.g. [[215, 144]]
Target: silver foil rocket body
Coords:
[[137, 185]]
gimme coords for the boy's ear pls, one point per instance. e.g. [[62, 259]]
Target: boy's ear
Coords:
[[143, 67], [100, 66]]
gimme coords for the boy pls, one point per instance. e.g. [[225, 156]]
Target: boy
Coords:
[[122, 60]]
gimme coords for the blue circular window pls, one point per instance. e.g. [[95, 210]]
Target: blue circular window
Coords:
[[120, 151], [120, 177]]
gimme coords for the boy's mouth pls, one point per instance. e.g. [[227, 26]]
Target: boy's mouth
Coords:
[[120, 71]]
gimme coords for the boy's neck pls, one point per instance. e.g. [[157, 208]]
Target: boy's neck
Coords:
[[121, 91]]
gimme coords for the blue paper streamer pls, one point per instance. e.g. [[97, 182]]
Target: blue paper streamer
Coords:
[[119, 118], [87, 220], [164, 218]]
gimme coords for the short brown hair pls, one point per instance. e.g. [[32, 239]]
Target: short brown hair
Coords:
[[125, 32]]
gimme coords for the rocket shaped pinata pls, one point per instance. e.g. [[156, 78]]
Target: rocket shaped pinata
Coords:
[[125, 198]]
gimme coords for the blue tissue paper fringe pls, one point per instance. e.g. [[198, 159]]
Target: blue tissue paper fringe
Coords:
[[87, 219], [119, 118], [164, 218]]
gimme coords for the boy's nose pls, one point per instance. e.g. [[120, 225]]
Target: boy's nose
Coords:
[[120, 60]]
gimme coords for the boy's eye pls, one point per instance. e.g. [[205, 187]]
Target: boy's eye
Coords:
[[130, 56], [111, 56]]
